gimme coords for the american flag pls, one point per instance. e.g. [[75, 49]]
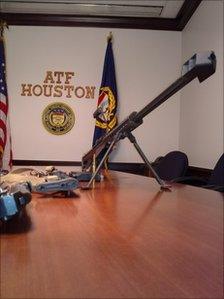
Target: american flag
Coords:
[[5, 138]]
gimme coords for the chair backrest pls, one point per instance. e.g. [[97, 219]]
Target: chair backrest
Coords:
[[217, 176], [172, 166]]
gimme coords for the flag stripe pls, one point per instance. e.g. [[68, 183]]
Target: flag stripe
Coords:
[[2, 96], [2, 136], [3, 129], [3, 116], [3, 107]]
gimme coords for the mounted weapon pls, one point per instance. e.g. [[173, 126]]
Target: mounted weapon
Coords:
[[201, 66]]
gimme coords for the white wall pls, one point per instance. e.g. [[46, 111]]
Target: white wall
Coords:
[[146, 63], [201, 120]]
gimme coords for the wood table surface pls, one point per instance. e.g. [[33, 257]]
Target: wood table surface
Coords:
[[123, 239]]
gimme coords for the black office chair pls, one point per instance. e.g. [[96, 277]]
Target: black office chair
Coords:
[[172, 166], [214, 182]]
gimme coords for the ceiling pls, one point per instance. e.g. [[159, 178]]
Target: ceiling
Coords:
[[142, 8], [144, 14]]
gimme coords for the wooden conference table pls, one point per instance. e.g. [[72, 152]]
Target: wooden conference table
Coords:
[[124, 239]]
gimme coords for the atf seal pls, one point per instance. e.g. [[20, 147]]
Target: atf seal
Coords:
[[58, 118]]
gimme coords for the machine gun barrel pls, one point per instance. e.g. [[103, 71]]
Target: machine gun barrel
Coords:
[[201, 65]]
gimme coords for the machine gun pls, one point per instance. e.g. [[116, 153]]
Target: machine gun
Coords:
[[13, 201], [66, 186], [55, 181], [201, 65]]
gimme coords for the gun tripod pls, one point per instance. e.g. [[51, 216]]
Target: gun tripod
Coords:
[[132, 139]]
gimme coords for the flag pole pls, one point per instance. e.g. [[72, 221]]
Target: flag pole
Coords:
[[109, 39], [94, 168]]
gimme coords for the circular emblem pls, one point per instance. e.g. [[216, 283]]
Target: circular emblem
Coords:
[[107, 104], [58, 118]]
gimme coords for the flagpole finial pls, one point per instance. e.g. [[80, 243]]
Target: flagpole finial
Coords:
[[110, 37], [3, 25]]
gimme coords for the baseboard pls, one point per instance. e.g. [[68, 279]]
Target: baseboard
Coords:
[[135, 168], [45, 163], [199, 172]]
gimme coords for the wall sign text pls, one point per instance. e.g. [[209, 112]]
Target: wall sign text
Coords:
[[58, 84]]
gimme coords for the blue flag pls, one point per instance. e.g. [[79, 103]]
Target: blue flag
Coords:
[[107, 102]]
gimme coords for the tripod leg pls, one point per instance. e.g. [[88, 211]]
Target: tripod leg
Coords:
[[88, 186], [132, 139]]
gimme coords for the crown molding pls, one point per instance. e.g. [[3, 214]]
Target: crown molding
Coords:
[[176, 24]]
